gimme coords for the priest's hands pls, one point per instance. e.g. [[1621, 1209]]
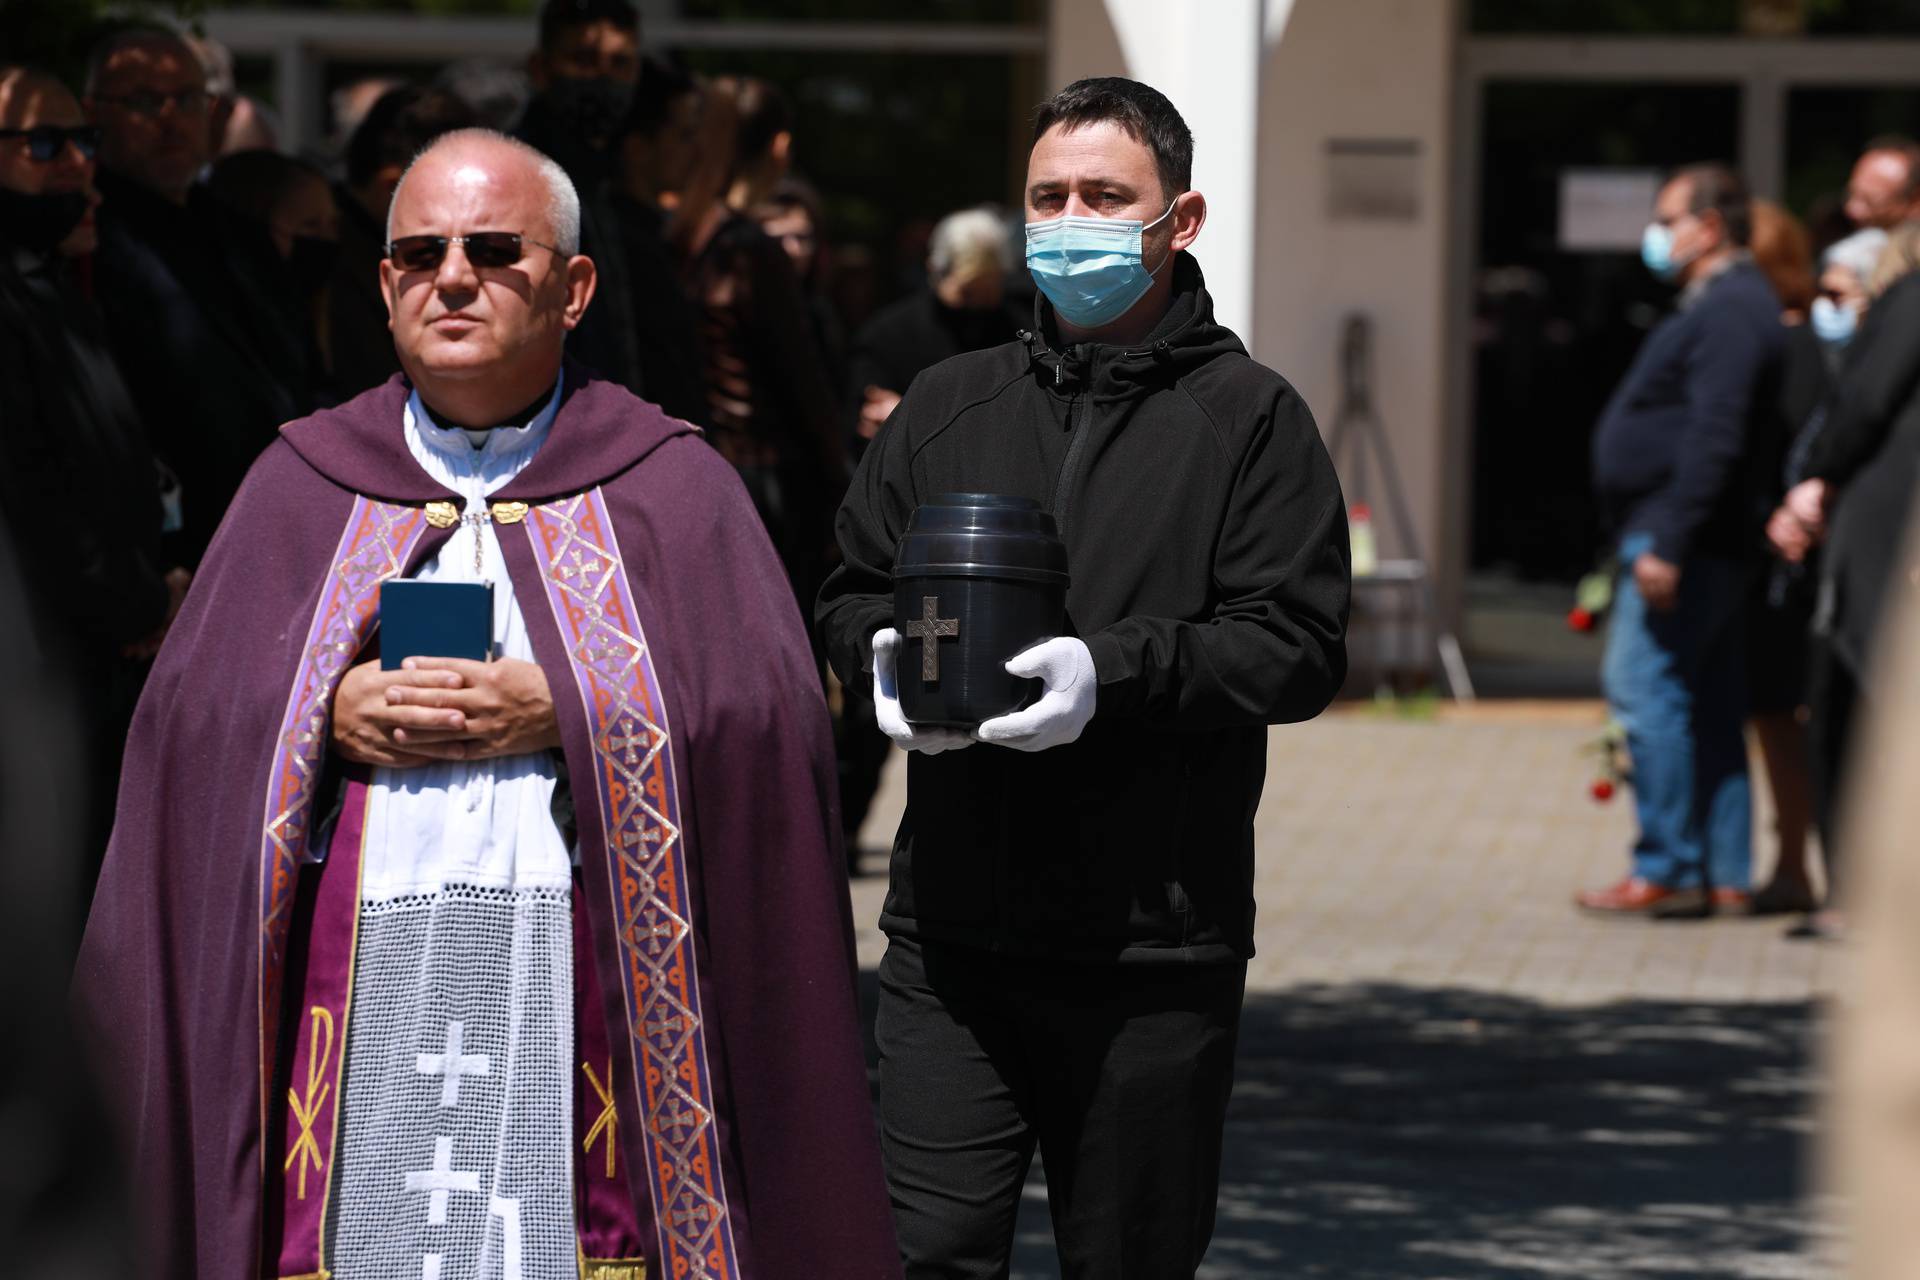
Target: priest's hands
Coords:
[[443, 709]]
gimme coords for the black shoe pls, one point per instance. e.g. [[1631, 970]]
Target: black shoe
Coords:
[[1683, 904]]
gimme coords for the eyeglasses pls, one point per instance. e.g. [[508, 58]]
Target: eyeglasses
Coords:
[[46, 142], [150, 102], [483, 248]]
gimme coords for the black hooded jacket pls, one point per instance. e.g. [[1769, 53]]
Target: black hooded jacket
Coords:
[[1207, 543]]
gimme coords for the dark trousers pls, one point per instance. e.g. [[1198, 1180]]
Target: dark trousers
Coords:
[[1834, 695], [1120, 1073]]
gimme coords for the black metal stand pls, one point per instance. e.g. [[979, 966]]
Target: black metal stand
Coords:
[[1358, 431]]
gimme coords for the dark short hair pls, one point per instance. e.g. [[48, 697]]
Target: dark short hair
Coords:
[[560, 16], [661, 85], [1908, 150], [399, 126], [1718, 188], [1141, 110]]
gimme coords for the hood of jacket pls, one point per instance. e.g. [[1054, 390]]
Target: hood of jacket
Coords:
[[1187, 337]]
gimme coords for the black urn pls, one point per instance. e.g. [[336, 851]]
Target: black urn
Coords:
[[977, 578]]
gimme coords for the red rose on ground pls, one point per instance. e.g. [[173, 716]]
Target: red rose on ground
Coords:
[[1603, 789]]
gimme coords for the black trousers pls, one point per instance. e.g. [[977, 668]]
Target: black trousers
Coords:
[[1834, 697], [1119, 1073]]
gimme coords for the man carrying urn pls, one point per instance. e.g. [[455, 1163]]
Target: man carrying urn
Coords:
[[1071, 912]]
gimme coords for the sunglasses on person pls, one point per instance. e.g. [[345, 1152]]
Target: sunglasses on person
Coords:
[[46, 142], [483, 249]]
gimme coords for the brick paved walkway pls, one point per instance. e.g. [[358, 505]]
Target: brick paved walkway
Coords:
[[1447, 1073]]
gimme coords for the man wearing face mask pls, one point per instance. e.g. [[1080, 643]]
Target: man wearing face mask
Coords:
[[1680, 463], [1071, 905], [78, 485], [583, 74]]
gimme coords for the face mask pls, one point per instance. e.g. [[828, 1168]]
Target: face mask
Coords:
[[1833, 323], [39, 223], [1090, 268], [1656, 251], [311, 262], [589, 109]]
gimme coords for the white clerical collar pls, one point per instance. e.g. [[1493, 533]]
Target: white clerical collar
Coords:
[[490, 445]]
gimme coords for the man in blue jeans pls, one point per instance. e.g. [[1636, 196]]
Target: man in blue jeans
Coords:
[[1678, 458]]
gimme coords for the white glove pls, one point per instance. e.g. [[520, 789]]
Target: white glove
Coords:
[[886, 704], [1065, 666]]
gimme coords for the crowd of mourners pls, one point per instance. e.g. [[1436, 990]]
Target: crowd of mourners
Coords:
[[1758, 461], [175, 284]]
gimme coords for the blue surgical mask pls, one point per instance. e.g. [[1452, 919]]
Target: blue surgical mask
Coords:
[[1833, 323], [1656, 250], [1090, 268]]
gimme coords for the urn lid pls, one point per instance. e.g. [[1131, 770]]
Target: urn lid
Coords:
[[981, 535]]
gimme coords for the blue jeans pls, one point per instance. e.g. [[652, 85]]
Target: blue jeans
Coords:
[[1677, 683]]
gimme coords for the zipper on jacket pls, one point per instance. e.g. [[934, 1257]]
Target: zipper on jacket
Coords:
[[1064, 486]]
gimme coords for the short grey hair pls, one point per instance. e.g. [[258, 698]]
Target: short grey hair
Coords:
[[563, 202], [1858, 253], [969, 238]]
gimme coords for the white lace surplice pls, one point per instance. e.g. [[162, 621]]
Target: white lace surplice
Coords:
[[456, 1152]]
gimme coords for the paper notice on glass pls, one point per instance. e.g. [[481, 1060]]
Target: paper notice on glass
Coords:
[[1605, 210]]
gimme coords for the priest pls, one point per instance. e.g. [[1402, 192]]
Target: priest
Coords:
[[537, 966]]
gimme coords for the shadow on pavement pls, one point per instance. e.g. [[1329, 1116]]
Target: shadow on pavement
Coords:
[[1390, 1131], [1387, 1132]]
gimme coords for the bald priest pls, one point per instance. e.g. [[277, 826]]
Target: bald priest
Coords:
[[536, 964]]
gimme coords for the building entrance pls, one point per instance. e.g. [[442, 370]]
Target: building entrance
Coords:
[[1564, 142]]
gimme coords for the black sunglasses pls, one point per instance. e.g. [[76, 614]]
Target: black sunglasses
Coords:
[[483, 248], [45, 142]]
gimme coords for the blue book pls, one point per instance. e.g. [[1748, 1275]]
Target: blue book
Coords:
[[435, 620]]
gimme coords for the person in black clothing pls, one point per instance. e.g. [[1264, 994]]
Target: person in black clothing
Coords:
[[214, 373], [1684, 459], [791, 215], [657, 150], [583, 74], [79, 489], [397, 128], [286, 207], [771, 410], [1070, 910], [1780, 600], [961, 309], [1858, 496], [1782, 654]]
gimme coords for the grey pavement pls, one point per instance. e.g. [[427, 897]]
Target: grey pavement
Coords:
[[1445, 1072]]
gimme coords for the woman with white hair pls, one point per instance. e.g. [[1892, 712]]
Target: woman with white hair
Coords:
[[962, 309], [1860, 473]]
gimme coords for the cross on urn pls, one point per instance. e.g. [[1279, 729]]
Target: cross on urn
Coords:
[[928, 628]]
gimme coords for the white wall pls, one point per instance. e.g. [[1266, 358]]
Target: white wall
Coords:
[[1330, 69], [1374, 70]]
